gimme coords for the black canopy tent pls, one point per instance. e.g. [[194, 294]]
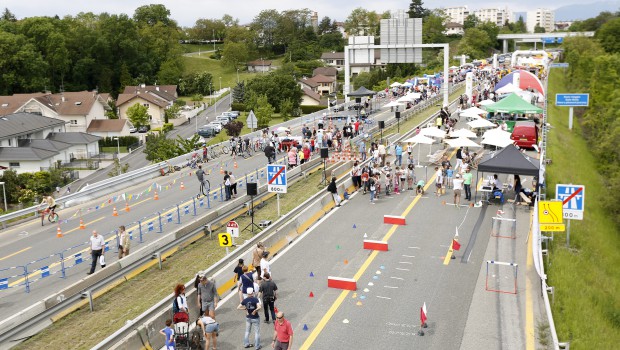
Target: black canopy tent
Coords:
[[508, 161], [362, 91]]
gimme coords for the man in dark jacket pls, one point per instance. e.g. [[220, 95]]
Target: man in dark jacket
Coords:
[[270, 153]]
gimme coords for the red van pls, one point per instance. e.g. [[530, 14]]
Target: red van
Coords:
[[525, 134]]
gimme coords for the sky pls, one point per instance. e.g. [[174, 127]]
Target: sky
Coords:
[[186, 12]]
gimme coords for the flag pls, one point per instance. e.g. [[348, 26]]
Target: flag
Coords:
[[423, 314], [456, 245]]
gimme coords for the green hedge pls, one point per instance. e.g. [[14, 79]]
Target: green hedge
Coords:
[[167, 127], [307, 109], [122, 141], [237, 106]]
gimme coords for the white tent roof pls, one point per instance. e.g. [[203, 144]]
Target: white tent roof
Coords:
[[432, 131], [419, 138], [463, 133], [461, 142], [480, 123]]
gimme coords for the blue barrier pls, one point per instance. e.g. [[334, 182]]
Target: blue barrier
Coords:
[[169, 217], [149, 226], [5, 281]]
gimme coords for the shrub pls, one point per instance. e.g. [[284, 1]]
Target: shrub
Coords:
[[236, 106], [307, 109], [167, 127]]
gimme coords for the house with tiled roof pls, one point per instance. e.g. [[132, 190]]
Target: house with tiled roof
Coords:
[[109, 127], [326, 71], [31, 142], [77, 109], [156, 98], [333, 59], [259, 66], [310, 98]]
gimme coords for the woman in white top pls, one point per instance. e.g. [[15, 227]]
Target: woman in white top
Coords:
[[210, 329], [180, 301], [265, 266]]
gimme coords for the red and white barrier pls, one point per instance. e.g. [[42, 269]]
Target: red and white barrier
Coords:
[[341, 283], [376, 245], [394, 220]]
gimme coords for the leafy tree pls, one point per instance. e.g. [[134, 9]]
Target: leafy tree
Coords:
[[417, 9], [276, 86], [609, 36], [158, 148], [235, 54], [520, 26], [592, 24], [233, 128], [8, 16], [539, 29], [433, 27], [138, 115], [286, 109], [170, 72], [491, 29], [118, 168], [362, 22], [196, 83], [208, 29], [265, 24], [238, 92], [471, 21], [263, 112], [184, 146], [172, 112], [475, 43], [153, 14], [326, 25]]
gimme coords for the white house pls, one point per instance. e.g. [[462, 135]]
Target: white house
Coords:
[[109, 127], [77, 109], [156, 98], [310, 98], [30, 143], [259, 66]]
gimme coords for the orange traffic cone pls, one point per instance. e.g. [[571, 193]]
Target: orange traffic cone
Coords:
[[182, 186], [114, 212], [82, 226], [221, 170], [58, 232], [236, 166], [127, 207], [156, 197]]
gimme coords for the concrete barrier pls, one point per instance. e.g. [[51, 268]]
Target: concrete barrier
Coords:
[[9, 322]]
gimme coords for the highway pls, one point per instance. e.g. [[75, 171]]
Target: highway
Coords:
[[30, 241]]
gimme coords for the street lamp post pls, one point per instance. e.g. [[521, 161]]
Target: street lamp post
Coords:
[[4, 196], [118, 146], [118, 154]]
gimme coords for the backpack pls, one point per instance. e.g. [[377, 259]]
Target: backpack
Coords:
[[175, 305]]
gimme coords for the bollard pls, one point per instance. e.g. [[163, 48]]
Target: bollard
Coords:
[[140, 227], [62, 265], [87, 294], [27, 282], [208, 202], [194, 202], [157, 256], [178, 215], [221, 193], [161, 226], [207, 230]]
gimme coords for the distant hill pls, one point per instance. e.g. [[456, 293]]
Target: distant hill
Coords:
[[585, 11]]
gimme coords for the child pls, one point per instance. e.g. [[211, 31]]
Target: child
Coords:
[[420, 187], [403, 176], [449, 174], [395, 180], [377, 185], [372, 189], [365, 178], [169, 334], [410, 177]]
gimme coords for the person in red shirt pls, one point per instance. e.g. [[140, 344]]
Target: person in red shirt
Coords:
[[357, 127], [306, 151], [283, 333]]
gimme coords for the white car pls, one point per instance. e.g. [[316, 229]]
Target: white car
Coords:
[[216, 125]]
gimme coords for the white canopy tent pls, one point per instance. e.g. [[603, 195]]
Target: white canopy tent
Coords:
[[461, 142], [480, 123], [420, 139], [463, 133]]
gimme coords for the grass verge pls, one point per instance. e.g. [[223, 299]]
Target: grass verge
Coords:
[[585, 276]]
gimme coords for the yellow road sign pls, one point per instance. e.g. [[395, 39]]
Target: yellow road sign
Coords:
[[552, 227], [550, 212], [225, 239]]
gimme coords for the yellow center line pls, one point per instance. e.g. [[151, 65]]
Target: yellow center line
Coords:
[[10, 255], [530, 341], [88, 223], [336, 305]]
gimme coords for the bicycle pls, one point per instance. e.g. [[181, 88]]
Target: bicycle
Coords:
[[205, 187], [52, 217], [247, 153]]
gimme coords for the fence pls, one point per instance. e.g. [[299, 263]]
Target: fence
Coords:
[[139, 231]]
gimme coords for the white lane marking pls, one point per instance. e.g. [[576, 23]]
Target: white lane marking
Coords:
[[398, 268], [390, 287], [405, 262], [414, 247], [444, 246], [378, 296], [398, 278], [409, 256]]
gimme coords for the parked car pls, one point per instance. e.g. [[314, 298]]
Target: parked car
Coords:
[[144, 128], [132, 128], [216, 125], [207, 131], [231, 115], [222, 119], [525, 134]]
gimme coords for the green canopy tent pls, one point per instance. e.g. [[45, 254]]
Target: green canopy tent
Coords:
[[513, 104]]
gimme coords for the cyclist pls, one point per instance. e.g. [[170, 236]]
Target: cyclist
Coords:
[[51, 205], [200, 175]]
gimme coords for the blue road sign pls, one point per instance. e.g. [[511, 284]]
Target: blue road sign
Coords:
[[572, 100], [559, 65], [548, 40], [572, 197], [276, 178]]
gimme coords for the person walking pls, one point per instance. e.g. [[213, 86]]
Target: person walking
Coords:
[[257, 255], [123, 242], [97, 244], [233, 147], [168, 332], [200, 176], [282, 334], [179, 303], [333, 189], [207, 297], [467, 177], [265, 266], [270, 153], [398, 152], [268, 291], [252, 319]]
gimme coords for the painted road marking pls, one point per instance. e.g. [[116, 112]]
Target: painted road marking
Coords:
[[405, 262], [414, 247], [409, 256], [10, 255], [330, 312], [398, 268], [398, 278], [88, 223], [390, 287], [378, 296], [530, 341]]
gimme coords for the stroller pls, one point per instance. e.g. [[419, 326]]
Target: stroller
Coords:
[[181, 330]]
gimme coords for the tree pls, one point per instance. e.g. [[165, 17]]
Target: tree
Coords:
[[235, 54], [362, 22], [491, 29], [519, 26], [276, 86], [539, 29], [263, 112], [158, 148], [138, 115], [238, 92], [171, 112], [471, 21], [170, 72], [153, 14], [326, 25], [475, 43], [118, 168], [286, 109], [265, 24], [184, 146], [609, 36], [233, 128], [417, 9], [8, 16], [433, 27]]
